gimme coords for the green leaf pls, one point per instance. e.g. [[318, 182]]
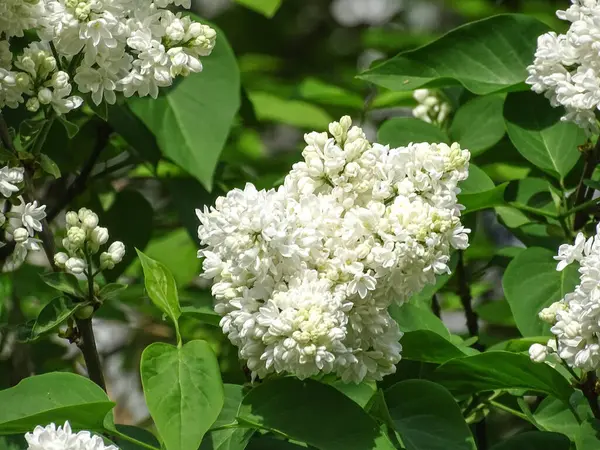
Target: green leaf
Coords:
[[534, 440], [552, 415], [428, 346], [532, 283], [402, 131], [111, 291], [311, 404], [484, 56], [53, 315], [483, 200], [139, 434], [477, 182], [535, 129], [72, 129], [427, 417], [415, 317], [232, 438], [317, 91], [161, 288], [64, 282], [501, 370], [183, 263], [183, 391], [479, 124], [53, 397], [191, 121], [588, 436], [361, 393], [267, 8], [270, 108], [49, 166]]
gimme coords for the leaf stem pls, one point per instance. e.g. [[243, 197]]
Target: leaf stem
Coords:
[[43, 134], [465, 296], [117, 433], [507, 409]]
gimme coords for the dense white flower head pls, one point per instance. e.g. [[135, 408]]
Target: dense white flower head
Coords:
[[52, 437], [303, 274], [21, 221], [84, 238], [103, 47], [566, 68], [430, 108], [575, 319]]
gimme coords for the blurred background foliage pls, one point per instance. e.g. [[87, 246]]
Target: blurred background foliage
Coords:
[[297, 72]]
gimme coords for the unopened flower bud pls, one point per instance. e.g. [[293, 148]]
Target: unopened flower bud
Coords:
[[33, 104], [45, 96], [548, 314], [20, 235], [72, 219], [76, 237], [2, 219], [60, 80], [106, 261], [75, 265], [99, 236], [82, 213], [90, 221], [421, 95], [117, 251], [538, 353], [60, 259]]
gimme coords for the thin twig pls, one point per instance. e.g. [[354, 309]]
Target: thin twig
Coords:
[[87, 345], [435, 306], [79, 184], [583, 192], [465, 296]]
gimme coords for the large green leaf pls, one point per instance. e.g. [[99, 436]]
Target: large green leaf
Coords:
[[477, 182], [551, 415], [229, 438], [53, 315], [534, 440], [428, 346], [402, 131], [315, 90], [191, 120], [312, 412], [183, 390], [536, 130], [427, 417], [161, 288], [479, 124], [501, 370], [64, 282], [532, 283], [53, 397], [484, 56], [483, 200]]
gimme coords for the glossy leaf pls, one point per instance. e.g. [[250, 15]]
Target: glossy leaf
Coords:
[[531, 283], [479, 124], [53, 397], [161, 288], [427, 417], [191, 120], [64, 282], [267, 8], [484, 56], [53, 315], [501, 370], [311, 405], [402, 131], [271, 108], [183, 391], [534, 440], [535, 129]]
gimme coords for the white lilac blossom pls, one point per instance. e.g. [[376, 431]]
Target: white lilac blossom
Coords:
[[52, 437], [431, 108], [84, 239], [21, 221], [575, 319], [104, 46], [566, 66], [303, 275]]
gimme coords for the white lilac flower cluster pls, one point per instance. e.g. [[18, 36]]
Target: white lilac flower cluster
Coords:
[[431, 108], [20, 221], [303, 275], [575, 319], [102, 46], [84, 239], [566, 68], [52, 437]]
